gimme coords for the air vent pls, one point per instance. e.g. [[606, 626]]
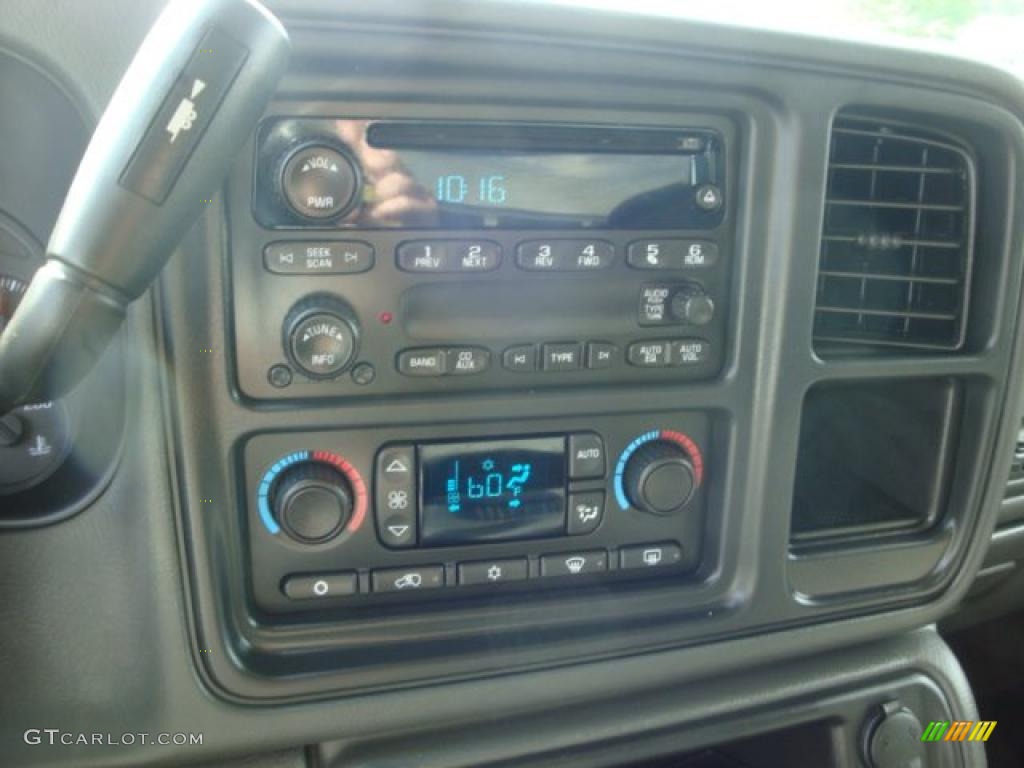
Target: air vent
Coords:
[[896, 245]]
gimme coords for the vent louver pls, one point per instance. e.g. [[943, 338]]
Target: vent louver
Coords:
[[896, 245]]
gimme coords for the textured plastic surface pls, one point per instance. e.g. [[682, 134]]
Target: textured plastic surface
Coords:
[[144, 670]]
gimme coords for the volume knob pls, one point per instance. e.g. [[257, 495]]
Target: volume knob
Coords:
[[318, 182], [312, 502], [660, 478]]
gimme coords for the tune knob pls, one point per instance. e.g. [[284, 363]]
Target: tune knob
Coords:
[[318, 182], [312, 502], [321, 336], [660, 478]]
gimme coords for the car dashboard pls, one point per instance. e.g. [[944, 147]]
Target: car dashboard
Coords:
[[543, 386]]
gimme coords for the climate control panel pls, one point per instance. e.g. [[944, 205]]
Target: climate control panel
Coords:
[[358, 515]]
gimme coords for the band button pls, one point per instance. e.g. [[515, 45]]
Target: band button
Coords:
[[422, 362]]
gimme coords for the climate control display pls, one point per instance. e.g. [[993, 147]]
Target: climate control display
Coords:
[[489, 491]]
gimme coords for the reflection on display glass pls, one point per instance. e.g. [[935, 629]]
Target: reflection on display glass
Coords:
[[521, 188], [492, 490]]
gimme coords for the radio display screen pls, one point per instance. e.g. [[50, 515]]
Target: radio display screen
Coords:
[[492, 491]]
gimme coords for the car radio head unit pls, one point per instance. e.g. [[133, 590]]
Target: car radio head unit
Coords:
[[383, 257]]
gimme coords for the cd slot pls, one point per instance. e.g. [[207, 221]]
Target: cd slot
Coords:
[[533, 137]]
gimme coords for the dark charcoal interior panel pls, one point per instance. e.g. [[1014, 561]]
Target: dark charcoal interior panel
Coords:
[[754, 633]]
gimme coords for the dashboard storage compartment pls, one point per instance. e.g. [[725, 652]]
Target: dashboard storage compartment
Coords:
[[873, 457]]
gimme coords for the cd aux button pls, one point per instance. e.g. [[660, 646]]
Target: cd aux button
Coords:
[[463, 361]]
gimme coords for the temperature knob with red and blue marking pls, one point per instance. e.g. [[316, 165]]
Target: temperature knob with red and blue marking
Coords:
[[312, 496], [658, 473]]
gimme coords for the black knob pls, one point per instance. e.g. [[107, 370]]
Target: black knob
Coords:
[[321, 336], [691, 305], [318, 182], [312, 502], [660, 478]]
